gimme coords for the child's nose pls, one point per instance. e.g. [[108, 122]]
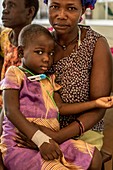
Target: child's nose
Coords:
[[46, 58]]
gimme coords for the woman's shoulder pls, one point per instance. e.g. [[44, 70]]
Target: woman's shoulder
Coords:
[[90, 30], [90, 35]]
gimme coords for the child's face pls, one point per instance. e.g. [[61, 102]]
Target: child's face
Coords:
[[38, 54]]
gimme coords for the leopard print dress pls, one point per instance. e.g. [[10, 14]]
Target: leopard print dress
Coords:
[[73, 74]]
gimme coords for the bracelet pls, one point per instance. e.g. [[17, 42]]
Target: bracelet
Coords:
[[39, 138], [81, 127]]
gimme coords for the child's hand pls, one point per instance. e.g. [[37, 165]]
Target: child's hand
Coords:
[[50, 151], [104, 102]]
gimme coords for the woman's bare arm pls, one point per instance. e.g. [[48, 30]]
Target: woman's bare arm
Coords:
[[100, 81]]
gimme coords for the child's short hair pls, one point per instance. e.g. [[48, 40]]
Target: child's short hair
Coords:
[[29, 31]]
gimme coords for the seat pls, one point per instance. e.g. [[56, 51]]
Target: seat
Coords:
[[106, 156]]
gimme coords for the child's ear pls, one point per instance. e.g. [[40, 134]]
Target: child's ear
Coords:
[[20, 50]]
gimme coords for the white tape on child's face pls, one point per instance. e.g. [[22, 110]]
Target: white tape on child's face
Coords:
[[39, 138]]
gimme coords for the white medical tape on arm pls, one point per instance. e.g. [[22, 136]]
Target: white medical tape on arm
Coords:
[[39, 138]]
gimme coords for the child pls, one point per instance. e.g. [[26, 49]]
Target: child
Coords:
[[28, 100]]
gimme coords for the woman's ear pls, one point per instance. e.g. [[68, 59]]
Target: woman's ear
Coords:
[[20, 51]]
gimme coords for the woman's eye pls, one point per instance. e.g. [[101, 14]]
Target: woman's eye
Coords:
[[53, 7], [51, 54], [71, 8]]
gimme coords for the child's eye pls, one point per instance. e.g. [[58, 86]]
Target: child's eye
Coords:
[[39, 52]]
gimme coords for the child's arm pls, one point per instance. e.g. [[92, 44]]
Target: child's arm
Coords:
[[75, 108], [49, 149]]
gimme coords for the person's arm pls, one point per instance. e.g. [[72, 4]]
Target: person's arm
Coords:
[[100, 82], [49, 150], [75, 108], [10, 98]]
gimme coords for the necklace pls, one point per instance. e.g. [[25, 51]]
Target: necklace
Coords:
[[64, 47], [77, 38]]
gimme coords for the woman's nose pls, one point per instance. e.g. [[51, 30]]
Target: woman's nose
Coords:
[[62, 14]]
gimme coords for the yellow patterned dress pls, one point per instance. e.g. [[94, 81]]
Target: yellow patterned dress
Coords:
[[9, 53]]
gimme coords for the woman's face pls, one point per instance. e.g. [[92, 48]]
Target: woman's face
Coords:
[[64, 15]]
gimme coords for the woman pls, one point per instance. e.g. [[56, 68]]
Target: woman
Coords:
[[82, 65]]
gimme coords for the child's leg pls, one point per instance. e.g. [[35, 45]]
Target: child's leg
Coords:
[[96, 163]]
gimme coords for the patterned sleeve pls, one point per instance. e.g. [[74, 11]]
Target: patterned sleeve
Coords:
[[3, 39], [0, 44], [13, 78]]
